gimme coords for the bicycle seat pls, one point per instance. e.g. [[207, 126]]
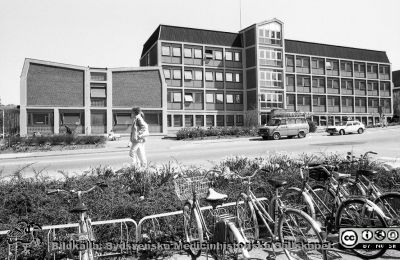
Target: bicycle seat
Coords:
[[80, 208], [327, 166], [341, 176], [277, 183], [214, 196], [367, 172]]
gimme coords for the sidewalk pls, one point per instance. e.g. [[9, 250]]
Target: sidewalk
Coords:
[[122, 144]]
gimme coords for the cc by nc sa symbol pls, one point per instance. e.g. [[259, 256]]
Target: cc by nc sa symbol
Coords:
[[349, 238]]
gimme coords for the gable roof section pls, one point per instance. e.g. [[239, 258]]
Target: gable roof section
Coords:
[[396, 78], [318, 49], [200, 36]]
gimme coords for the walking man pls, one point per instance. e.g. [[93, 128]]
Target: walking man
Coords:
[[140, 131]]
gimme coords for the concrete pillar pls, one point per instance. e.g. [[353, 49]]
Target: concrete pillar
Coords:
[[109, 101], [56, 121], [88, 129], [23, 121]]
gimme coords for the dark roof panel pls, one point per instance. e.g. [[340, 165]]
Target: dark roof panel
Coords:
[[318, 49], [396, 78], [183, 34], [153, 39]]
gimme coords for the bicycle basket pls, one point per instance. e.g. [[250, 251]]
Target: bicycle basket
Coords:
[[318, 174], [184, 187]]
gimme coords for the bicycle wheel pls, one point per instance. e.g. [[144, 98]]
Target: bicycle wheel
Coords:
[[236, 243], [300, 236], [354, 189], [390, 204], [193, 229], [246, 218], [294, 197], [354, 213]]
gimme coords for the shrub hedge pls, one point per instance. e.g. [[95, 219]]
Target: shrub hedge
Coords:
[[25, 198], [201, 132]]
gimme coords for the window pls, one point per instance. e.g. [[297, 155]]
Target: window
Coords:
[[199, 120], [229, 76], [188, 97], [210, 98], [177, 74], [98, 76], [345, 66], [302, 62], [347, 102], [271, 100], [198, 54], [176, 52], [218, 76], [165, 50], [333, 83], [188, 75], [198, 75], [209, 54], [229, 98], [169, 120], [332, 65], [270, 78], [239, 120], [372, 68], [239, 99], [123, 119], [303, 81], [218, 55], [209, 76], [98, 119], [289, 61], [178, 120], [237, 56], [167, 74], [228, 55], [188, 53], [198, 97], [188, 120], [360, 85], [40, 119], [209, 120], [219, 98], [319, 101], [237, 77], [98, 92], [269, 56], [318, 82], [347, 84], [317, 63], [177, 97], [383, 69], [220, 120], [289, 80], [230, 120], [290, 99], [303, 100]]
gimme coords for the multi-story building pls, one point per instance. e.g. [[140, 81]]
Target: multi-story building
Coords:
[[221, 79], [194, 77], [88, 100], [396, 80]]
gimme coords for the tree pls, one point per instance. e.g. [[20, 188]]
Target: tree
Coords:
[[251, 117]]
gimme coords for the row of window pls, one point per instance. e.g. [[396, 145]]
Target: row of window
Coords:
[[210, 120], [198, 75], [303, 100], [197, 97], [197, 53], [330, 64], [334, 83]]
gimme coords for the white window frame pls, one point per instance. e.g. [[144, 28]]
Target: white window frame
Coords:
[[238, 56], [228, 55], [238, 77], [167, 73], [219, 76], [177, 74], [218, 55], [219, 98], [164, 51], [176, 52], [177, 97], [210, 98], [188, 75], [187, 52], [198, 75], [229, 77], [198, 53], [229, 98], [189, 97], [208, 73]]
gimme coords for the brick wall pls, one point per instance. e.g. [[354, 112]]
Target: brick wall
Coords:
[[54, 86], [137, 88]]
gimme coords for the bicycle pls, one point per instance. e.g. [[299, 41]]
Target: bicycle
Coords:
[[364, 185], [191, 190], [290, 226], [332, 205], [85, 233]]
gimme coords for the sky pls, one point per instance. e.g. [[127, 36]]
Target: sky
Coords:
[[111, 33]]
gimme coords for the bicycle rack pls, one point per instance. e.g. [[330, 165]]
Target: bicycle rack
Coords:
[[123, 224], [51, 230], [139, 235]]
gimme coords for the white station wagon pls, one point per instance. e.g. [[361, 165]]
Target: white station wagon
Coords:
[[346, 127]]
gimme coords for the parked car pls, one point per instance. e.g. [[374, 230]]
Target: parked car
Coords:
[[284, 127], [346, 127]]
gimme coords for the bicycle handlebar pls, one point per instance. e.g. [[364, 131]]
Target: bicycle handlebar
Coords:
[[251, 176], [98, 185]]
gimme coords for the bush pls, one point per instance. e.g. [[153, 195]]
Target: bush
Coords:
[[57, 140], [25, 198], [200, 132], [312, 127]]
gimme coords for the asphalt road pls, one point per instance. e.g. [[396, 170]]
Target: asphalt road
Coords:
[[204, 152]]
